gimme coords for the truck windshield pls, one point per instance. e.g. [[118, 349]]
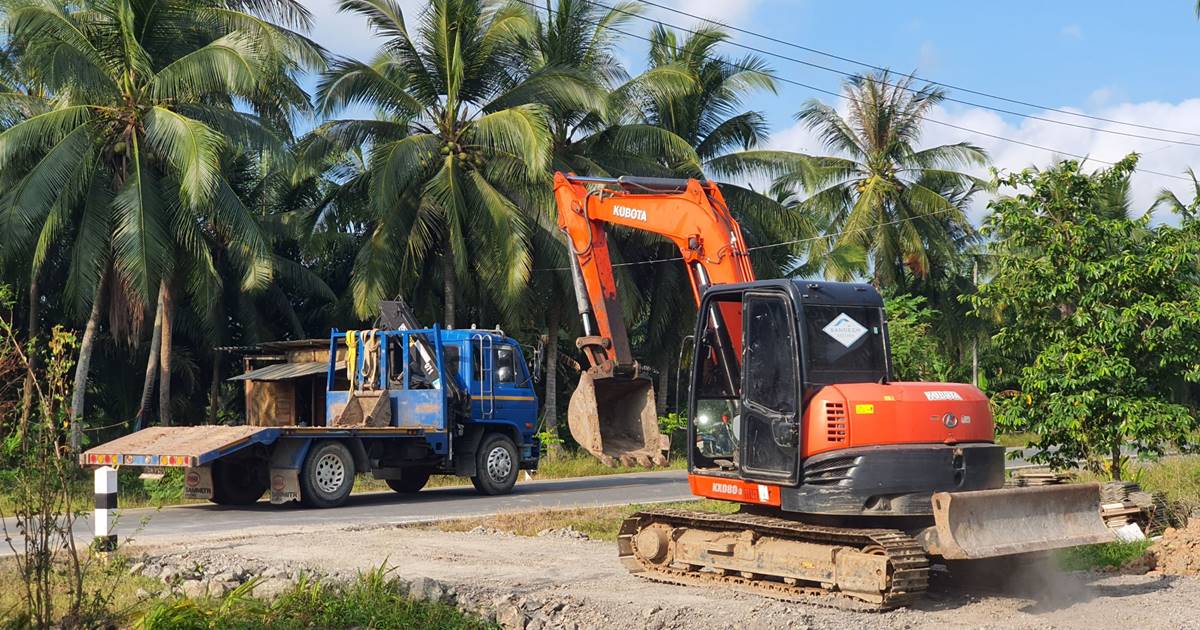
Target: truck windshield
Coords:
[[844, 344]]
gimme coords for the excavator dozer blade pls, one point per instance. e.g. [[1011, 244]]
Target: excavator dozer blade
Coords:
[[614, 419], [1008, 521]]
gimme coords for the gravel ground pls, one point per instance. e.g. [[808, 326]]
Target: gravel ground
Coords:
[[562, 581]]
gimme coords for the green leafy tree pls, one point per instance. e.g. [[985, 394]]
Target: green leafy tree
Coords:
[[122, 172], [916, 354], [604, 135], [459, 151], [903, 204], [1097, 311]]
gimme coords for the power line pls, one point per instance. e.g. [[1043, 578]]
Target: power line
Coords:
[[918, 78], [848, 98], [782, 243], [898, 86]]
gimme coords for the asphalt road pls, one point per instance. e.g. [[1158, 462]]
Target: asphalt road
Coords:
[[386, 508]]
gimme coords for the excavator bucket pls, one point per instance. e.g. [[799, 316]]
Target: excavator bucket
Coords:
[[614, 419], [370, 408], [989, 523]]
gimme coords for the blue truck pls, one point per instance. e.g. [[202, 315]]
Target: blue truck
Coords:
[[401, 405]]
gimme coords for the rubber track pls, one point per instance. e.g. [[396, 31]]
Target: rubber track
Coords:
[[907, 560]]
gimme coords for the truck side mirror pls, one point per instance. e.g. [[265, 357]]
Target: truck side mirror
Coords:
[[535, 363]]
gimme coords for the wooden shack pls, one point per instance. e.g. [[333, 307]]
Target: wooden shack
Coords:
[[285, 383]]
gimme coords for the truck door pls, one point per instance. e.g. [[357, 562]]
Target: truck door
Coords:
[[770, 405]]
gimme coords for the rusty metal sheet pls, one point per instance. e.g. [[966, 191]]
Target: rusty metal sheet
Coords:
[[176, 446], [283, 371]]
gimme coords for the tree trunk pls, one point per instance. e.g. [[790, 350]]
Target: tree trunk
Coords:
[[1116, 462], [83, 366], [550, 410], [664, 380], [31, 332], [214, 388], [164, 357], [449, 288], [151, 365]]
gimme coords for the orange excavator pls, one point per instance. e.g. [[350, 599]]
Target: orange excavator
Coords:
[[850, 483]]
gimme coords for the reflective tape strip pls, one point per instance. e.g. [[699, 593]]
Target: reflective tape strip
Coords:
[[106, 501]]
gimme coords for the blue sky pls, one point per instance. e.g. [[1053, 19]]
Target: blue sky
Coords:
[[1130, 61]]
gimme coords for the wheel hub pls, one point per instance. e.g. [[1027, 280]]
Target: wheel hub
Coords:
[[330, 473], [499, 464]]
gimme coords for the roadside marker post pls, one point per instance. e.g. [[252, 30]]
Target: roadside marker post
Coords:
[[106, 506]]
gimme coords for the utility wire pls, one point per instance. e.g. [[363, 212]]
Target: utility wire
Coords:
[[950, 86], [780, 244], [848, 98], [897, 86]]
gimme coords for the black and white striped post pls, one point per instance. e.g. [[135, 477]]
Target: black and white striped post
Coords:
[[106, 506]]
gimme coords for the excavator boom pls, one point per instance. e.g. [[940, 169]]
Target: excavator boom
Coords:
[[612, 412]]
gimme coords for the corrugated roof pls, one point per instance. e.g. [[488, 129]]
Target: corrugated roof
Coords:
[[292, 344], [283, 371]]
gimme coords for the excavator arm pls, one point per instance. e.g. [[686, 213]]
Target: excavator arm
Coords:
[[612, 411]]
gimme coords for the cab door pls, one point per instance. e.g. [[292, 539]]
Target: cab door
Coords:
[[770, 403]]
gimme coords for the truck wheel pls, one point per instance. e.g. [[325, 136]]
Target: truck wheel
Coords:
[[412, 480], [327, 476], [239, 482], [495, 465]]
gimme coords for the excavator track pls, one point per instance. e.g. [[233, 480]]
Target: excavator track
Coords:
[[907, 564]]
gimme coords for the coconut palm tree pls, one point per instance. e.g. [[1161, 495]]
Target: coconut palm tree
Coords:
[[1169, 200], [458, 153], [903, 204], [123, 170], [606, 135], [726, 138]]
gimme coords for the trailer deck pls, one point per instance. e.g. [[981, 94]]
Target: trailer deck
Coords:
[[189, 447]]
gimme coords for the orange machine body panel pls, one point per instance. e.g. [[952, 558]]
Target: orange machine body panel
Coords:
[[731, 489], [871, 414]]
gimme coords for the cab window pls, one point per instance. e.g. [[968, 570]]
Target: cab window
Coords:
[[506, 365]]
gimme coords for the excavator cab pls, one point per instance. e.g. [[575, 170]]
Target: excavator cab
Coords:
[[757, 337]]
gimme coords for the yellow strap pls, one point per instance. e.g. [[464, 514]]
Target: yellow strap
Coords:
[[370, 358], [352, 357]]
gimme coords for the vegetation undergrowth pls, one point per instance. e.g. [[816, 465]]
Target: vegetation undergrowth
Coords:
[[1176, 477], [599, 523], [375, 600], [1111, 555]]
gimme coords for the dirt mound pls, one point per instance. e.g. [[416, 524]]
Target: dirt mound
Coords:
[[1177, 552]]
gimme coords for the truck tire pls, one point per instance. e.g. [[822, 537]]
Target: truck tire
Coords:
[[328, 475], [239, 482], [496, 465], [412, 480]]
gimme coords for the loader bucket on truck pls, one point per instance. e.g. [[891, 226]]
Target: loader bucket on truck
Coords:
[[1008, 521], [614, 419]]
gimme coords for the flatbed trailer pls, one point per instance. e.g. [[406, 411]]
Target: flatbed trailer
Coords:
[[388, 414]]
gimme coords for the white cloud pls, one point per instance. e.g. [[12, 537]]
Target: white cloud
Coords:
[[1155, 156], [347, 34], [1072, 32]]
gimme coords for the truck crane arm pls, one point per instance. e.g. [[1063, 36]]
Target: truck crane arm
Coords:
[[612, 411]]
